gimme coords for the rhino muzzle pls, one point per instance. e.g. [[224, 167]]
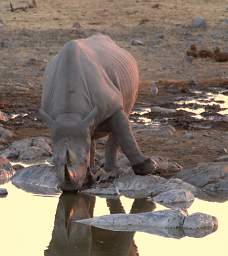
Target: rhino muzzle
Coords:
[[73, 179]]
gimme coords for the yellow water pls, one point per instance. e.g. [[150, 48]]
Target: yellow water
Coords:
[[27, 222]]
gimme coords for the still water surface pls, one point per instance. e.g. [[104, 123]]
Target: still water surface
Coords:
[[34, 225]]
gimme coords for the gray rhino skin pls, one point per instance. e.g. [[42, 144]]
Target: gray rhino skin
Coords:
[[89, 89]]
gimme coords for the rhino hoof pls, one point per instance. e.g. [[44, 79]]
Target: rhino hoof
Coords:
[[147, 167]]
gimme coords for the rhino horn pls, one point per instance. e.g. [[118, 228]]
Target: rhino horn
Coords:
[[50, 122], [88, 121]]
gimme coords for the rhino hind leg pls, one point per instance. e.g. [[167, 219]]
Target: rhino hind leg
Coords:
[[121, 130], [111, 152]]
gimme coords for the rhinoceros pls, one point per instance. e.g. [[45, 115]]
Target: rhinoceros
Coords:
[[89, 89]]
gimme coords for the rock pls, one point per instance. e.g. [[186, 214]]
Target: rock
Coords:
[[211, 178], [128, 185], [198, 22], [39, 179], [167, 223], [4, 117], [172, 184], [106, 192], [135, 186], [137, 222], [28, 149], [5, 135], [223, 158], [164, 111], [76, 25], [137, 42], [163, 131], [188, 135], [6, 170], [3, 192], [175, 199], [154, 89], [32, 153], [200, 221]]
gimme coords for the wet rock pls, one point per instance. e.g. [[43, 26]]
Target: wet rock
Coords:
[[167, 223], [3, 192], [128, 185], [138, 221], [211, 178], [6, 170], [40, 179], [5, 135], [135, 186], [164, 111], [200, 221], [173, 184], [163, 131], [106, 192], [137, 42], [28, 149], [175, 199], [4, 117], [198, 22]]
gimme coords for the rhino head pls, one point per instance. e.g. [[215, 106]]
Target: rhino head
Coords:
[[71, 150]]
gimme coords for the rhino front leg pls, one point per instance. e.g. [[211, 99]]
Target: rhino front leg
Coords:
[[92, 153], [121, 130]]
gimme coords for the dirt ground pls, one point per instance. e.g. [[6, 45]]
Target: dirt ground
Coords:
[[29, 38]]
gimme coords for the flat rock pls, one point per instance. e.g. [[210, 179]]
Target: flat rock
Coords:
[[167, 223], [135, 186], [175, 199], [138, 221], [40, 179], [161, 110], [211, 178], [33, 148], [6, 170], [106, 192], [162, 131], [173, 184], [3, 192], [200, 221], [198, 22]]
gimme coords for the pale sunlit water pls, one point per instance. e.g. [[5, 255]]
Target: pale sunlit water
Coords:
[[33, 225]]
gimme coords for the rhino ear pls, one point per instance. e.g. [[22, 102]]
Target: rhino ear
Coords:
[[50, 122], [89, 120]]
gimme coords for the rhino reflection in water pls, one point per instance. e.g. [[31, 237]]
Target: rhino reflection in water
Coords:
[[89, 90], [70, 238]]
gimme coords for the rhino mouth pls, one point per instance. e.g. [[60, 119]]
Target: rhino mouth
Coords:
[[76, 180]]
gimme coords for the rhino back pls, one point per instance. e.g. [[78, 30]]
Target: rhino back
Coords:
[[87, 73]]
